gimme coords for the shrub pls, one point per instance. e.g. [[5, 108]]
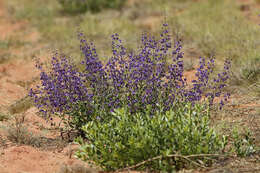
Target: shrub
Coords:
[[18, 133], [125, 140], [81, 6], [151, 76], [243, 143]]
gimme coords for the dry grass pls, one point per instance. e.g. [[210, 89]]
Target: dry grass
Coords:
[[21, 105], [76, 169], [4, 116], [18, 133]]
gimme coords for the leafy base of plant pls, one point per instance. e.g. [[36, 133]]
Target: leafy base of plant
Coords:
[[126, 140]]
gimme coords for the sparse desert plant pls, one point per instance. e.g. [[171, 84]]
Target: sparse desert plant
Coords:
[[243, 143], [77, 168], [18, 133], [251, 71], [247, 73]]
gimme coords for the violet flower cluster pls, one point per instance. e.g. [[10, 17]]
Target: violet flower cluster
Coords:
[[60, 88], [153, 75]]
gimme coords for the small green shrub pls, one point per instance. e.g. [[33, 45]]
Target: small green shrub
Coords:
[[81, 6], [243, 144], [126, 139]]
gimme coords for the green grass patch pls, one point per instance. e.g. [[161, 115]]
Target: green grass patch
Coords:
[[81, 6], [219, 28]]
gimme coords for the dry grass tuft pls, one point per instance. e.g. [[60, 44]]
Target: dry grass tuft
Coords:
[[77, 168], [21, 105], [18, 133]]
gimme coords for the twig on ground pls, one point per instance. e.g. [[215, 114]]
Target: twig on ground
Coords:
[[171, 156]]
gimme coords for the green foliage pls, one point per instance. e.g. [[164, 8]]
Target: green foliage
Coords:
[[243, 144], [219, 28], [78, 117], [74, 6], [36, 12], [81, 6], [97, 5], [125, 139]]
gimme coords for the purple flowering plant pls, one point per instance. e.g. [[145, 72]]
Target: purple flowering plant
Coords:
[[152, 76]]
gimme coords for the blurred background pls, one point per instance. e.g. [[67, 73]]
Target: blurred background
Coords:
[[223, 28]]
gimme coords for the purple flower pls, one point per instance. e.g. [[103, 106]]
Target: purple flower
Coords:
[[153, 75]]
